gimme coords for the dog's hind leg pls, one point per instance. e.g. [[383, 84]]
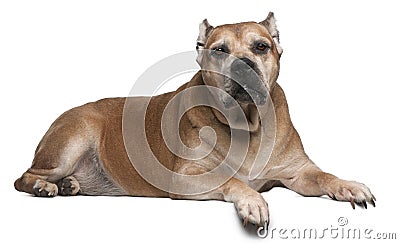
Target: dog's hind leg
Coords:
[[57, 155]]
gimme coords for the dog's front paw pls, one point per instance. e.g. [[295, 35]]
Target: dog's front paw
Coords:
[[45, 189], [254, 209], [351, 191]]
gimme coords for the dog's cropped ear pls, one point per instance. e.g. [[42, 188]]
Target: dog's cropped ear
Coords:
[[270, 24], [205, 30]]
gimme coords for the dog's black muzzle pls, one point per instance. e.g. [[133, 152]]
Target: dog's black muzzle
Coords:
[[246, 85]]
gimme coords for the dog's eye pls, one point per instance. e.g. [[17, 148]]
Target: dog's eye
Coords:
[[220, 50], [261, 47]]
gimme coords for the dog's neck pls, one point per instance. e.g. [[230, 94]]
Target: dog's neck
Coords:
[[250, 111]]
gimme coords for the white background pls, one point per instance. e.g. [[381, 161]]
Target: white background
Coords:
[[339, 70]]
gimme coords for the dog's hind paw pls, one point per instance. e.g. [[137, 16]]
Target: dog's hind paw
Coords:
[[45, 189], [68, 186]]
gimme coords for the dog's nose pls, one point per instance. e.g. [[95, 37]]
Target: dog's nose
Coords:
[[242, 66], [243, 72]]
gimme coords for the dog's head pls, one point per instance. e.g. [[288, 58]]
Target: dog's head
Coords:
[[241, 59]]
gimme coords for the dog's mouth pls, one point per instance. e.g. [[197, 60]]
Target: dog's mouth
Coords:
[[244, 94]]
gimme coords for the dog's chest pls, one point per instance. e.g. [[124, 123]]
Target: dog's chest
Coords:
[[249, 157], [244, 154]]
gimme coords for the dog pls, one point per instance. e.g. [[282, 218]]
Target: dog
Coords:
[[85, 151]]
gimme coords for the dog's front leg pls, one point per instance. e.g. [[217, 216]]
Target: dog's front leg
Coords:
[[250, 204], [311, 181]]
